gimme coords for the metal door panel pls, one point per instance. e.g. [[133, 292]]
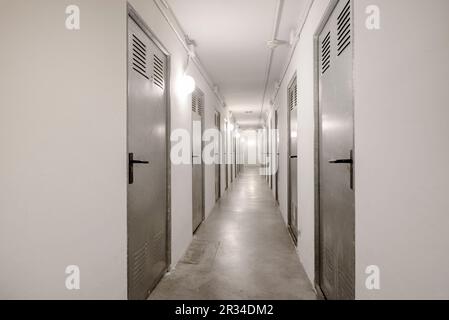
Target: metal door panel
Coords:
[[226, 159], [235, 157], [231, 155], [197, 171], [293, 136], [217, 151], [276, 124], [147, 212], [337, 253]]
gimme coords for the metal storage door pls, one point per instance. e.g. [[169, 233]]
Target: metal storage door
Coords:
[[217, 150], [276, 150], [293, 116], [225, 137], [197, 163], [147, 211], [231, 153], [235, 157], [337, 253]]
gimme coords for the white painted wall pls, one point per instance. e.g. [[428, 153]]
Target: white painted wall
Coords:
[[63, 150], [402, 149], [249, 147], [63, 140]]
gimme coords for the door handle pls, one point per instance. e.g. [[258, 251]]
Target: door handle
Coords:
[[341, 161], [349, 161], [131, 163]]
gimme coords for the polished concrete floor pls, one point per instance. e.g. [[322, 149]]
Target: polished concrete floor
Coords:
[[242, 251]]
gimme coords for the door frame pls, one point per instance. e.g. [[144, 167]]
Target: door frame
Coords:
[[218, 124], [235, 157], [134, 15], [270, 154], [225, 149], [231, 149], [316, 83], [203, 180], [294, 77], [276, 153]]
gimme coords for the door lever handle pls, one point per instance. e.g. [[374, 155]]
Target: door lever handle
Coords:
[[341, 161], [131, 163], [139, 161], [349, 161]]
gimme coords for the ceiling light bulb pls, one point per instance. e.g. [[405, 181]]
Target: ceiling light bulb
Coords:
[[186, 85]]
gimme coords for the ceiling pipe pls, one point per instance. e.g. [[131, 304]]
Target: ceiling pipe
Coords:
[[292, 51], [173, 22], [277, 21]]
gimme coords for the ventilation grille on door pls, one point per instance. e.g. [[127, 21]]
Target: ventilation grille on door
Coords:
[[138, 268], [158, 72], [201, 104], [344, 29], [293, 95], [157, 251], [194, 101], [139, 58], [198, 102], [326, 53]]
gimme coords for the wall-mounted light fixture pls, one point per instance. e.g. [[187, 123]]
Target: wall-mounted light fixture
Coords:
[[187, 83], [274, 43]]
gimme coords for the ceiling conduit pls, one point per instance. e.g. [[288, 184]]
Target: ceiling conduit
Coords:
[[173, 22], [293, 49], [277, 21]]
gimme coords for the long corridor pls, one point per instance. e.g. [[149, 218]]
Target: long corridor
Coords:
[[242, 251]]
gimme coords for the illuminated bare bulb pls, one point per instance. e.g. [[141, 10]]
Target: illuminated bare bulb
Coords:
[[186, 85]]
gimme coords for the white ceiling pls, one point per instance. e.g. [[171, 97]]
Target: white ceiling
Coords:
[[231, 38]]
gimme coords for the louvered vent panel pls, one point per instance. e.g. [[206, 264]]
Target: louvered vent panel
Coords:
[[293, 95], [326, 53], [194, 101], [200, 104], [344, 29], [138, 269], [139, 58], [158, 72]]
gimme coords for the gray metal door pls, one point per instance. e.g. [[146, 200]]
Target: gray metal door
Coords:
[[231, 155], [226, 155], [235, 157], [270, 153], [276, 150], [197, 162], [337, 240], [217, 151], [270, 156], [293, 134], [147, 166]]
